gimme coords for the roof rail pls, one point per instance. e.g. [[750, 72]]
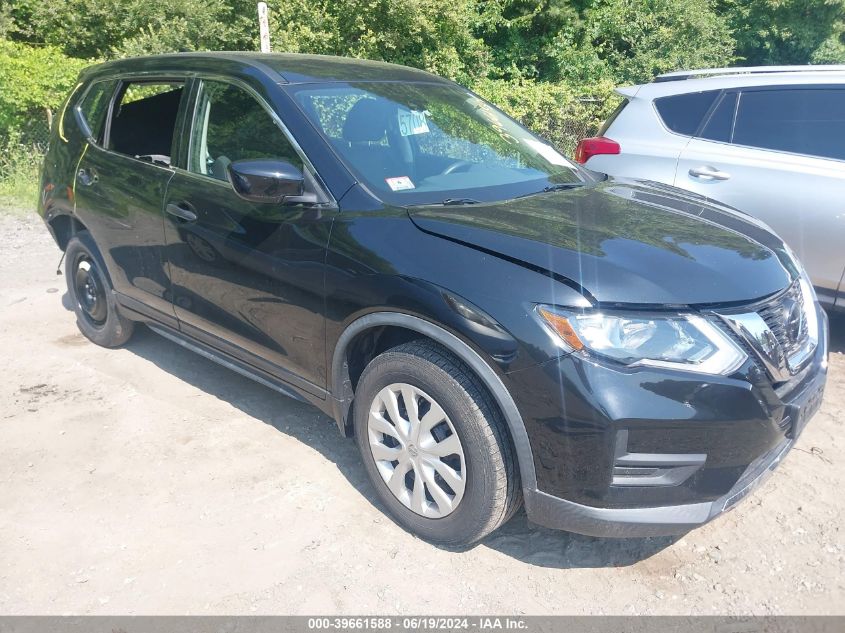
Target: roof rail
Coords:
[[747, 70]]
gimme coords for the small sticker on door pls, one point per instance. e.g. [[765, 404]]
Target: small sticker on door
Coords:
[[399, 183]]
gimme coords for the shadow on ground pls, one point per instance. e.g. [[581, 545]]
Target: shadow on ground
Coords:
[[518, 538]]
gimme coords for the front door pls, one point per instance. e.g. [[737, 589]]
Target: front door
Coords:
[[247, 277]]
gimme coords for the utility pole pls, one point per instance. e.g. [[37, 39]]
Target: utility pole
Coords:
[[263, 27]]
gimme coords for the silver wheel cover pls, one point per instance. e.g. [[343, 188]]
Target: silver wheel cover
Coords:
[[416, 450]]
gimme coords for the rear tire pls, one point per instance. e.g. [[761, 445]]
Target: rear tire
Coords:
[[482, 487], [90, 291]]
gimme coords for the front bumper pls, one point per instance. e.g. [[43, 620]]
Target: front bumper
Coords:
[[739, 428]]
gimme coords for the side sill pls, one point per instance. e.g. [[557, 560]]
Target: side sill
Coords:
[[238, 366], [138, 311]]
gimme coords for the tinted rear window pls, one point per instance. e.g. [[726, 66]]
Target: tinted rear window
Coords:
[[683, 113], [804, 121]]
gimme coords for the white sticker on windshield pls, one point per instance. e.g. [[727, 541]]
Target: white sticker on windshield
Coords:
[[412, 122], [399, 183]]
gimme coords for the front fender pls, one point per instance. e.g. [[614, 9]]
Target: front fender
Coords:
[[342, 390]]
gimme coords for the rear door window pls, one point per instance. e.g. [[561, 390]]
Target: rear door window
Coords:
[[684, 113], [144, 118], [719, 126], [94, 106], [804, 121]]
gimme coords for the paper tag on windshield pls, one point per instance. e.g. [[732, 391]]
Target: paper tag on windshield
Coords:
[[412, 122], [399, 183]]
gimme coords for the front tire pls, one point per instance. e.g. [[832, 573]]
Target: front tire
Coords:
[[90, 291], [434, 445]]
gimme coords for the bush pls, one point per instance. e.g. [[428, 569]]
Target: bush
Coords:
[[557, 112], [638, 39], [20, 164], [785, 31], [34, 82]]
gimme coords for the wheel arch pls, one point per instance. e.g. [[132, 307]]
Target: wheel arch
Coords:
[[342, 381], [64, 226]]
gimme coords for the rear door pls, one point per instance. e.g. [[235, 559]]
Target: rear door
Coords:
[[247, 277], [119, 188], [779, 154]]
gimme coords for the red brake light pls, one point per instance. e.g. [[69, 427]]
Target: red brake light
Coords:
[[593, 146]]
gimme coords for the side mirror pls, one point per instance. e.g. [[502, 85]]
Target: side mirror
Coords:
[[266, 180]]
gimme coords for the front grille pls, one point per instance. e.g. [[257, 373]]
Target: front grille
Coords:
[[775, 333], [777, 314]]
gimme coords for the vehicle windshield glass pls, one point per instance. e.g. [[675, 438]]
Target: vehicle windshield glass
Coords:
[[426, 143]]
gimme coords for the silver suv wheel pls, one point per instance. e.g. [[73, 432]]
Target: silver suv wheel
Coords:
[[416, 450]]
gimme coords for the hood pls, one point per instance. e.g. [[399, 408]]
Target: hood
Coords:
[[626, 242]]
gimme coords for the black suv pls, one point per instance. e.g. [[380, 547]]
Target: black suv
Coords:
[[489, 321]]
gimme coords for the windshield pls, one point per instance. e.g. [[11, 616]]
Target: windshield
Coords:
[[421, 143]]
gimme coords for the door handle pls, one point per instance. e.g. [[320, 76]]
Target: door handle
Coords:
[[706, 172], [181, 212], [86, 177]]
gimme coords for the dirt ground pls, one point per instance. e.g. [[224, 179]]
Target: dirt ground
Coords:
[[149, 480]]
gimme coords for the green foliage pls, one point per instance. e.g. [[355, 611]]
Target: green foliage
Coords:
[[832, 50], [554, 111], [19, 167], [620, 40], [430, 34], [33, 83], [524, 36], [783, 31], [106, 28], [638, 39]]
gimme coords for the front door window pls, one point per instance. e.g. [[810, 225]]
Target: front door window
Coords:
[[232, 125]]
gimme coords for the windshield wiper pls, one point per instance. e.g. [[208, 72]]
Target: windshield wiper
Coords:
[[456, 201], [561, 186]]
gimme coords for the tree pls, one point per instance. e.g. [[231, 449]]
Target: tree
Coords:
[[782, 31], [637, 39], [428, 34], [832, 50], [33, 83], [108, 28]]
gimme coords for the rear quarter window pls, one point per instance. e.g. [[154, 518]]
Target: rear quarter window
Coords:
[[93, 107], [683, 113]]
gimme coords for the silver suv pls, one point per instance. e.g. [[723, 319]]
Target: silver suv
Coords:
[[769, 141]]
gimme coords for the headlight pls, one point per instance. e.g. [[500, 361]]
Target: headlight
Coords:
[[685, 342]]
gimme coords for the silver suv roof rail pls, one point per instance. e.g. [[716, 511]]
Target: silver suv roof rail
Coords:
[[748, 70]]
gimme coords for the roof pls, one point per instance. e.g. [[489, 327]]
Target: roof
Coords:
[[289, 67], [687, 81]]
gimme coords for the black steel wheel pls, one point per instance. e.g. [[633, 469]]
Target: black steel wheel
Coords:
[[97, 313]]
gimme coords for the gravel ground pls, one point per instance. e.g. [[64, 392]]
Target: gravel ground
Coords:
[[149, 480]]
